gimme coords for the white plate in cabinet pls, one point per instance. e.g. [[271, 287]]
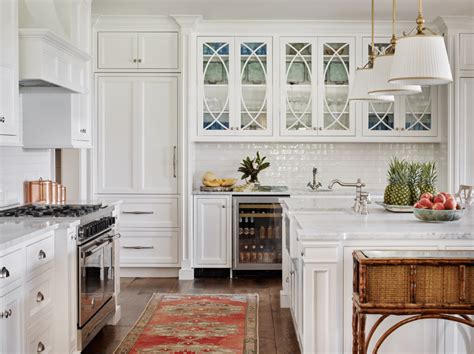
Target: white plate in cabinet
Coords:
[[11, 320], [149, 248], [38, 297], [41, 340], [12, 266], [157, 213], [39, 254]]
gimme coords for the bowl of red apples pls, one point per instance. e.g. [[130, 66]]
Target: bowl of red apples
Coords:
[[438, 208]]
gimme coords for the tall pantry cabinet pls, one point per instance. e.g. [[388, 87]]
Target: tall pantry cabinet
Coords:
[[136, 160]]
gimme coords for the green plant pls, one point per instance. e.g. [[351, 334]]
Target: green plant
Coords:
[[250, 168]]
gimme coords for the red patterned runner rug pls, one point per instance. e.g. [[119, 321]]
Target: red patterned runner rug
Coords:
[[195, 324]]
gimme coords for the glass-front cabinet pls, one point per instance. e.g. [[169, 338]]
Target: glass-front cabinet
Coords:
[[411, 115], [235, 86], [315, 77]]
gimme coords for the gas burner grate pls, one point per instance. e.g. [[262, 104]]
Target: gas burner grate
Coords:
[[49, 210]]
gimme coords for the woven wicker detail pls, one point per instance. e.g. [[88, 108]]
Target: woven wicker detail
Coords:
[[435, 284], [470, 284], [388, 284]]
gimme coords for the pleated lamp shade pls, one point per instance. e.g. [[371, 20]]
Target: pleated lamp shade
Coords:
[[421, 59], [379, 84], [359, 88]]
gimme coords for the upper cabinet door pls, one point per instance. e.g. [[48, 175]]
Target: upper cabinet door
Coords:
[[215, 85], [116, 163], [158, 134], [158, 50], [8, 118], [117, 50], [298, 93], [418, 113], [336, 68], [254, 85]]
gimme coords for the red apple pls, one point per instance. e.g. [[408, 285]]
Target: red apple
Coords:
[[449, 196], [425, 203], [450, 204], [418, 205], [438, 206], [426, 196], [440, 198]]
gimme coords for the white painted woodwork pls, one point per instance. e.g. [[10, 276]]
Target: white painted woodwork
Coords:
[[42, 284], [466, 130], [138, 50], [149, 248], [11, 328], [13, 262], [158, 50], [41, 334], [466, 51], [212, 232], [137, 135], [9, 106], [39, 255], [152, 212]]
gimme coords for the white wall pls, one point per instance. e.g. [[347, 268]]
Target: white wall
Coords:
[[18, 165], [291, 163]]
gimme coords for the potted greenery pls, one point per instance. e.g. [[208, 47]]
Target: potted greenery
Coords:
[[250, 168]]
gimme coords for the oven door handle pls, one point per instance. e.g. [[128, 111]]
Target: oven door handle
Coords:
[[89, 251]]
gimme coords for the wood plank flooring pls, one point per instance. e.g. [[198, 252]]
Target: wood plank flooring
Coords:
[[276, 332]]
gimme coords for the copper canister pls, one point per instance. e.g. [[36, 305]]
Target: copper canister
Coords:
[[54, 192], [38, 191], [63, 194]]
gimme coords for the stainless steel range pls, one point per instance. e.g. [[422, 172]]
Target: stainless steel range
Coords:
[[96, 272]]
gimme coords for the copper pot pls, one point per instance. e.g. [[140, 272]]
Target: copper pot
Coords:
[[63, 194], [54, 192], [38, 191]]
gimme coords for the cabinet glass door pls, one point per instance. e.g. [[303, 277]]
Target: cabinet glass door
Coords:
[[215, 78], [297, 87], [418, 116], [337, 68], [254, 85]]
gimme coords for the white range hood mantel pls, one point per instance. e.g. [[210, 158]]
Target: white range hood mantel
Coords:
[[47, 60]]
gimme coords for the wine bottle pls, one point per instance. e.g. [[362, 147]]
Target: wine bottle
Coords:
[[262, 233], [252, 227], [246, 227], [241, 229]]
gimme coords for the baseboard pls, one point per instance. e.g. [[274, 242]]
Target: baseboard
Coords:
[[149, 272], [186, 274], [284, 301], [116, 317]]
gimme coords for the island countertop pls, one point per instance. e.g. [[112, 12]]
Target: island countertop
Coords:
[[345, 224], [13, 233]]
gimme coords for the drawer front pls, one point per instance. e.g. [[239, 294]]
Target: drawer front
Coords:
[[40, 253], [156, 213], [149, 248], [12, 267], [39, 297], [40, 339]]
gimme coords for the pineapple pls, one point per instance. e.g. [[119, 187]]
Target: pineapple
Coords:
[[428, 178], [414, 170], [398, 190]]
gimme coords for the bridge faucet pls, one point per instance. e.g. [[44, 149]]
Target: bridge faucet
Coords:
[[361, 199], [315, 185]]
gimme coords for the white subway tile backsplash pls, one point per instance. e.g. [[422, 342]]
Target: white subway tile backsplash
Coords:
[[291, 164]]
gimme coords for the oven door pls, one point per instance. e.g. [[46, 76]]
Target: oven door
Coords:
[[96, 276]]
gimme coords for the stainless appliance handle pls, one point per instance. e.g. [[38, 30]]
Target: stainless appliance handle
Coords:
[[175, 148], [138, 212], [138, 247]]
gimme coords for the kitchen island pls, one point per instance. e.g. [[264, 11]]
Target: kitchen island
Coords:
[[320, 235]]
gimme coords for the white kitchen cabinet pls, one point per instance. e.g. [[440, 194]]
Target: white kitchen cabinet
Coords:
[[137, 134], [465, 143], [11, 322], [138, 50], [212, 232], [9, 106], [235, 86], [466, 51]]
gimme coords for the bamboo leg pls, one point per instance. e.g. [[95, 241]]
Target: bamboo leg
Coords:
[[355, 324], [361, 335]]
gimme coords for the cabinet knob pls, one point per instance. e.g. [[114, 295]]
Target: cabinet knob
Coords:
[[2, 119], [6, 313], [134, 60], [41, 347], [403, 129], [41, 254], [39, 297], [397, 129], [320, 128], [292, 272], [287, 279], [4, 273], [139, 60], [223, 207], [83, 131]]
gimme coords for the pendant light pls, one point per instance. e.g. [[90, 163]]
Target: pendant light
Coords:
[[379, 84], [363, 75], [421, 59]]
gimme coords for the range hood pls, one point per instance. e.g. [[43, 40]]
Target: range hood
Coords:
[[48, 48]]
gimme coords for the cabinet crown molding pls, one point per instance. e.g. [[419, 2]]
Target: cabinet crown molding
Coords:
[[134, 23]]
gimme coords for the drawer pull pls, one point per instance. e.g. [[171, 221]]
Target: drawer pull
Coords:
[[138, 247], [41, 255], [4, 273], [41, 347], [138, 212], [39, 297], [6, 313], [174, 161], [2, 119]]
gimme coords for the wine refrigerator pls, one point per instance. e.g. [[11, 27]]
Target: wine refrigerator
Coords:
[[257, 232]]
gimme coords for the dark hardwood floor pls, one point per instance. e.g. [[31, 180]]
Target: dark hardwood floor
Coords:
[[276, 332]]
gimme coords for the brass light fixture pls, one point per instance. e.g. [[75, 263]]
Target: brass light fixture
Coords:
[[421, 59]]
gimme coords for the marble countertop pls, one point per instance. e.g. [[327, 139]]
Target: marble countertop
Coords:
[[13, 233], [344, 224], [299, 192]]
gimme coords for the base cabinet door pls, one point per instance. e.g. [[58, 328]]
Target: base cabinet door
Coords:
[[11, 320], [213, 233]]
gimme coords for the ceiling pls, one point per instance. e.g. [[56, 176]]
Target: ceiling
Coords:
[[284, 9]]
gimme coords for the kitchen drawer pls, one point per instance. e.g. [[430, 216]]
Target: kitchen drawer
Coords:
[[39, 297], [40, 339], [161, 212], [40, 253], [149, 248], [12, 267]]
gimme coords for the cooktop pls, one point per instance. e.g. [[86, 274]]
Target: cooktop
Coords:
[[50, 210]]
